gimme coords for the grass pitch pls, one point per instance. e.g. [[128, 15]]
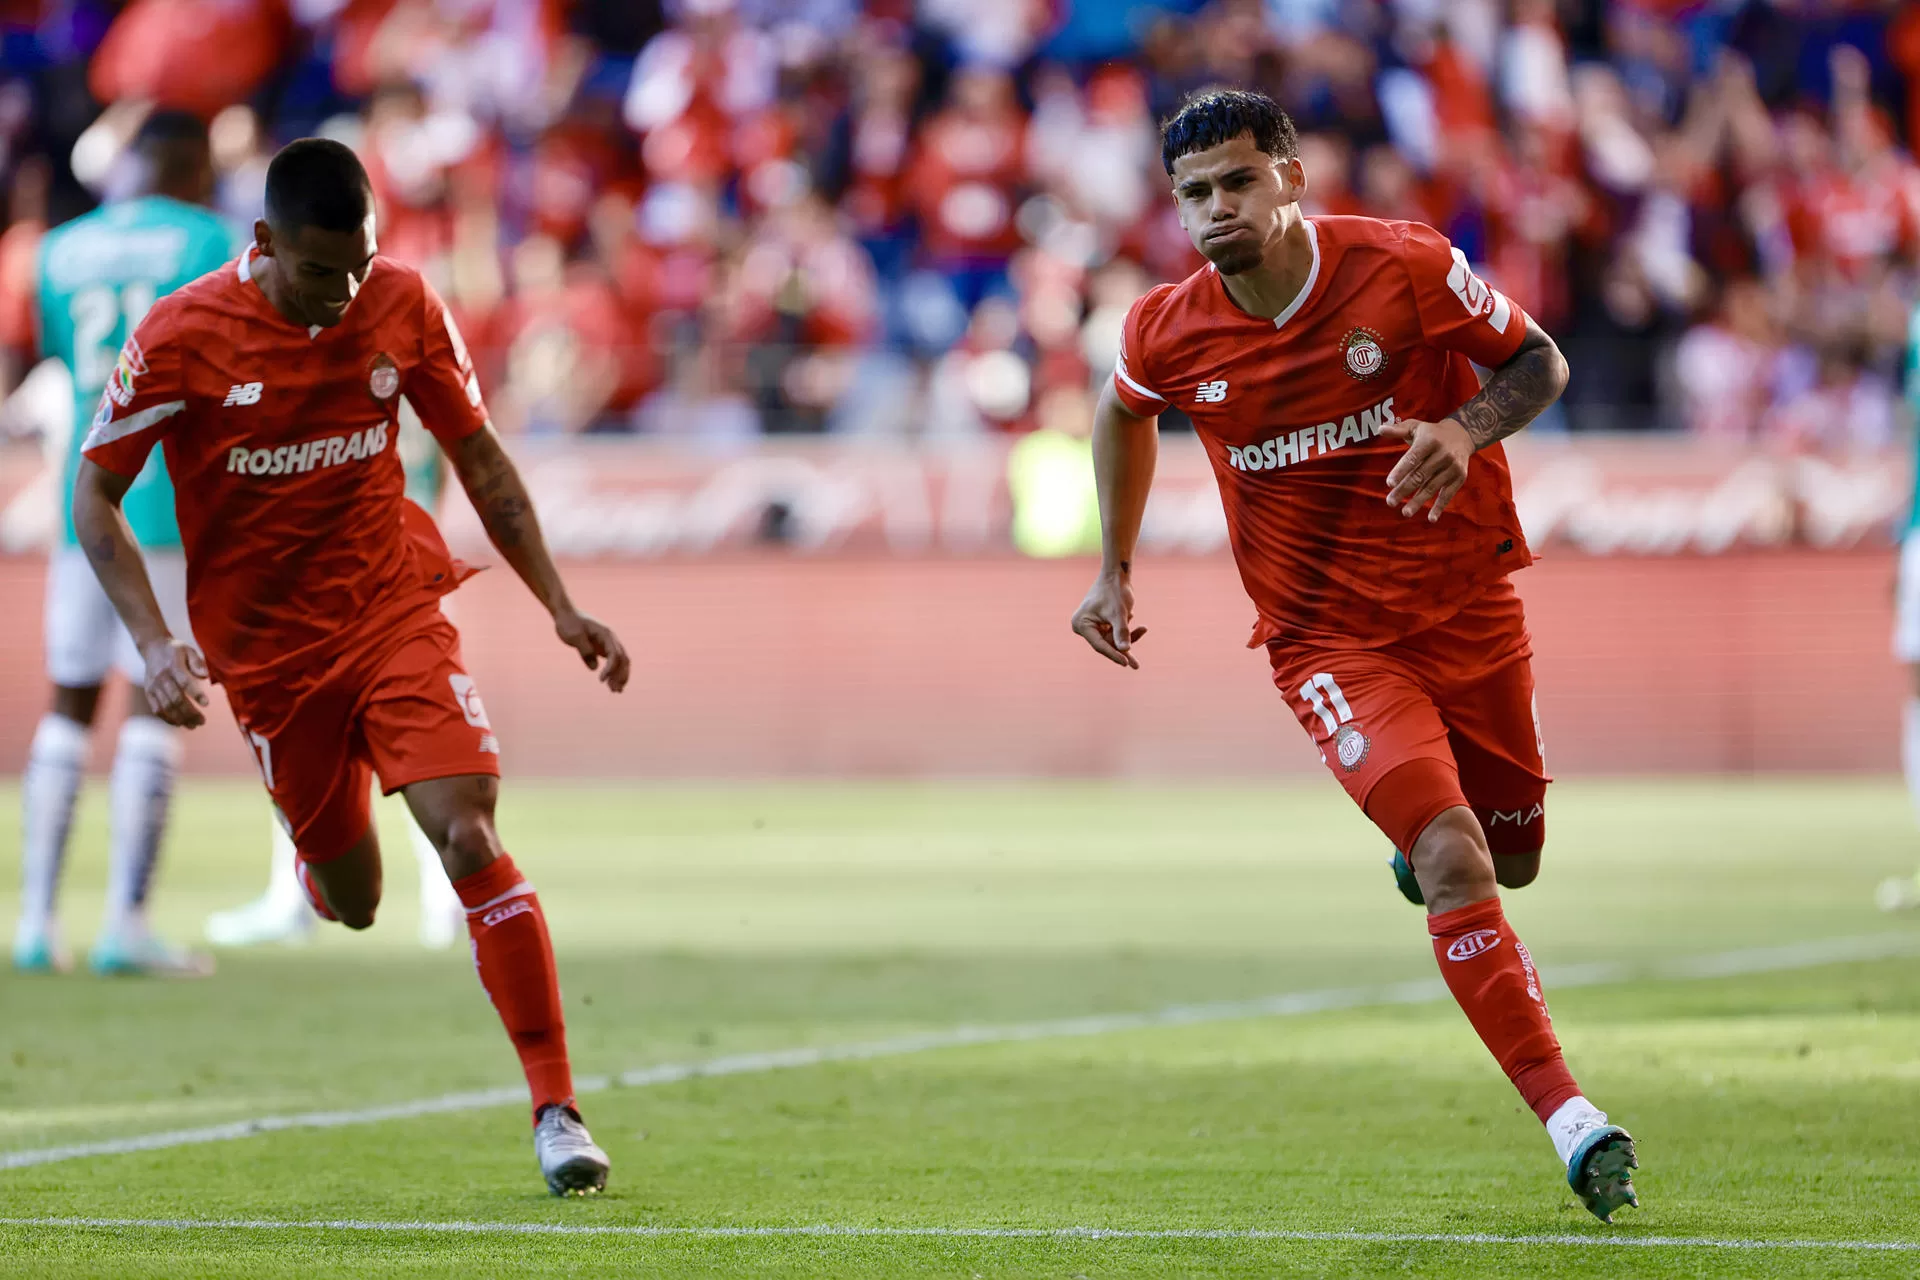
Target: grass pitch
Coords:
[[697, 924]]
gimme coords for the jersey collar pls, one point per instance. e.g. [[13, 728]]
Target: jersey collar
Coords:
[[1299, 299]]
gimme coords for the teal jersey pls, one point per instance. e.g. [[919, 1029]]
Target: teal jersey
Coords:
[[1913, 412], [420, 456], [97, 276]]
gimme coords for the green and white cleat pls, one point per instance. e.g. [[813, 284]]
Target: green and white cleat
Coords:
[[1601, 1171], [141, 955], [40, 953], [1403, 879], [569, 1160]]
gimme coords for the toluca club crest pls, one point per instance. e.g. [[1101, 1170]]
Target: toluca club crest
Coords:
[[1365, 356], [1350, 747], [383, 377]]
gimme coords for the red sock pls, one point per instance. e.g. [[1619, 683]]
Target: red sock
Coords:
[[514, 955], [1491, 976]]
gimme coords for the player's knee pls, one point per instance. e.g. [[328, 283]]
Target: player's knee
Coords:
[[470, 844], [1516, 870], [356, 917], [1452, 863]]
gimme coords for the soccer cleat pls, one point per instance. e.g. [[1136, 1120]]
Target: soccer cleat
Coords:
[[442, 924], [569, 1161], [1902, 893], [1600, 1171], [141, 955], [40, 953], [266, 919], [1404, 880]]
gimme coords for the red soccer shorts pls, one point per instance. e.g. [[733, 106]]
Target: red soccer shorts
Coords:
[[1441, 718], [407, 711]]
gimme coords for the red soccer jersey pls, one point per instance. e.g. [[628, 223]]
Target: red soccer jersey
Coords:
[[1289, 409], [281, 441]]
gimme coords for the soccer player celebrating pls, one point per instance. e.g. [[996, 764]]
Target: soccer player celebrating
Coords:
[[281, 914], [314, 586], [1327, 366], [98, 274]]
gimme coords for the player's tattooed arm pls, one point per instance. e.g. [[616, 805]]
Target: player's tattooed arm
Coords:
[[1517, 391], [500, 497], [1435, 466]]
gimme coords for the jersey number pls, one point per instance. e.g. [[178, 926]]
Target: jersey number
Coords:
[[97, 313], [1327, 702]]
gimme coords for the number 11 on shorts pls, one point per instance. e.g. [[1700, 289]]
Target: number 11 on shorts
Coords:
[[1321, 690]]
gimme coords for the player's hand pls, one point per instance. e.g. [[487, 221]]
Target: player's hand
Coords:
[[594, 640], [1432, 469], [176, 689], [1105, 620]]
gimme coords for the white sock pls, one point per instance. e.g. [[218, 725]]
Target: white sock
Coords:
[[56, 762], [1910, 749], [436, 891], [283, 880], [139, 793], [1572, 1121]]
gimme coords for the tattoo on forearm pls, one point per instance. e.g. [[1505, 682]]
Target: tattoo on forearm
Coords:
[[1514, 395], [501, 502], [100, 550]]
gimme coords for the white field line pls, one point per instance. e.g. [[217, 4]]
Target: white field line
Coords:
[[1799, 955], [1058, 1234]]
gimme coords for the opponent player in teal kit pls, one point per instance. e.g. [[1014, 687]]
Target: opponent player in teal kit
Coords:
[[98, 274]]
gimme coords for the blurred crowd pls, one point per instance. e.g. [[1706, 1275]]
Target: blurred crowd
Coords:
[[714, 219]]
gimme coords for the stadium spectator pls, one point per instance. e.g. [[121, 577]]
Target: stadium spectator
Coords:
[[854, 182]]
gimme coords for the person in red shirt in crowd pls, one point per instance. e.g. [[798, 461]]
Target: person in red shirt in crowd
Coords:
[[1327, 366], [314, 587], [965, 183]]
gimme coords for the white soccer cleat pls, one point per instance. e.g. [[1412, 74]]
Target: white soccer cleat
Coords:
[[1901, 893], [268, 919], [442, 924], [569, 1160]]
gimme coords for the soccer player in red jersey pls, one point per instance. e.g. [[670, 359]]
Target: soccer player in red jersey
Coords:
[[1327, 366], [273, 385]]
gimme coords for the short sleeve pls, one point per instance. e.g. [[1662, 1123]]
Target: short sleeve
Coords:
[[144, 396], [1458, 310], [1130, 379], [444, 389]]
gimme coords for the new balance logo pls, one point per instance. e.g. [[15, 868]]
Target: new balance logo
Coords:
[[243, 393], [1211, 392]]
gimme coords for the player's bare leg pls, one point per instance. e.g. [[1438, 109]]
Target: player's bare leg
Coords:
[[514, 956], [1492, 977], [1902, 893], [347, 888], [49, 789]]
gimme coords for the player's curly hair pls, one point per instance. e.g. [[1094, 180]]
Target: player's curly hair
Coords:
[[317, 182], [1210, 117]]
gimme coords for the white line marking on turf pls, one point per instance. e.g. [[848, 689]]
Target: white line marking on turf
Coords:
[[957, 1233], [1798, 955]]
